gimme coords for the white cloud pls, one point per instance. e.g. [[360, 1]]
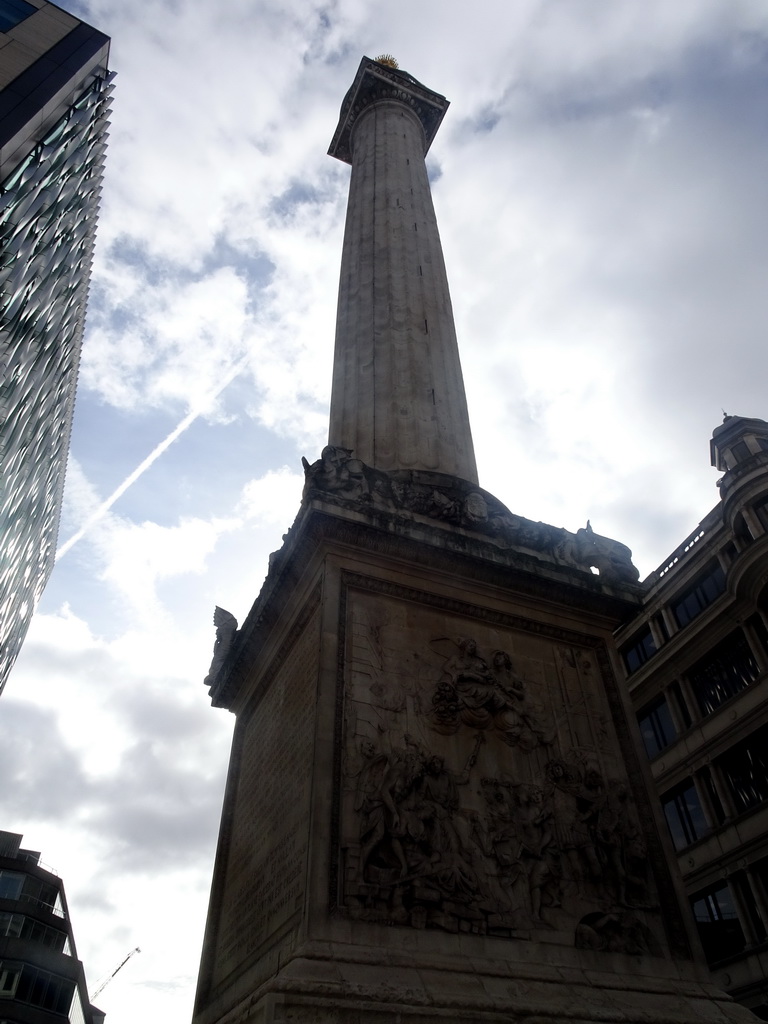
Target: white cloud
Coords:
[[168, 341], [274, 498], [140, 555]]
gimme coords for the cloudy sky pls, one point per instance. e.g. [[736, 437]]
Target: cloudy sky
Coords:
[[600, 184]]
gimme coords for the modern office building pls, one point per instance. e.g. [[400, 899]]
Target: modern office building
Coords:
[[696, 663], [54, 107], [437, 806], [41, 979]]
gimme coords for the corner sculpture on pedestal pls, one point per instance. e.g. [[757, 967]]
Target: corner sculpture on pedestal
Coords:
[[435, 807], [226, 627]]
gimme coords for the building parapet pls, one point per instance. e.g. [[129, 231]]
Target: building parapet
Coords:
[[673, 562]]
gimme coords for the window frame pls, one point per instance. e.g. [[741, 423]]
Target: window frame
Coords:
[[688, 813]]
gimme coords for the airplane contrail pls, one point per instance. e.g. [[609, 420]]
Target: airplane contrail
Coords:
[[155, 454]]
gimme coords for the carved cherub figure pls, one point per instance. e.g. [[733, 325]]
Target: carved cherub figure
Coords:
[[336, 472]]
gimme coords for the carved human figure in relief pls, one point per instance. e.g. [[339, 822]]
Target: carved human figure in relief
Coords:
[[411, 825], [622, 847], [577, 802], [471, 692], [438, 789], [392, 812], [519, 836], [368, 801], [537, 851], [448, 850], [523, 723], [499, 838]]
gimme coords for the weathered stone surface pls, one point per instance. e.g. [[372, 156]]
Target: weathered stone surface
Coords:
[[435, 810], [265, 832], [398, 392], [340, 478], [437, 706], [484, 787]]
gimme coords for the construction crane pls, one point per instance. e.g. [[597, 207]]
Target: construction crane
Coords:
[[104, 983]]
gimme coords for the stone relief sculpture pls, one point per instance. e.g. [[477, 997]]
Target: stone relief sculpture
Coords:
[[470, 812], [226, 627], [472, 693], [612, 559], [340, 478], [616, 932], [409, 812], [598, 832], [336, 472], [426, 858], [517, 832]]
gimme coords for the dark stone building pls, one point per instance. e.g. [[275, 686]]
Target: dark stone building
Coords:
[[696, 663], [41, 979]]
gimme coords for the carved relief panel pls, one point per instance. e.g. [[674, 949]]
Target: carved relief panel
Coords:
[[483, 787]]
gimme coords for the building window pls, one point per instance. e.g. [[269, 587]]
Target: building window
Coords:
[[745, 769], [718, 923], [39, 988], [756, 624], [730, 553], [759, 880], [728, 669], [12, 12], [740, 452], [706, 589], [661, 625], [42, 894], [761, 511], [742, 532], [638, 650], [742, 885], [21, 927], [9, 979], [29, 889], [704, 778], [684, 814], [682, 707], [656, 727], [10, 885]]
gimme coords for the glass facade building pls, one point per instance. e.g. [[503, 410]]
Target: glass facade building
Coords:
[[55, 91]]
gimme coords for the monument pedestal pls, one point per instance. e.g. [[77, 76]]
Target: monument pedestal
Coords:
[[435, 809]]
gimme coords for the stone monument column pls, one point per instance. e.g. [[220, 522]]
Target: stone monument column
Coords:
[[436, 810], [398, 394]]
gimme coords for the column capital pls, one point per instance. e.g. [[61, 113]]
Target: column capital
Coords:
[[375, 81]]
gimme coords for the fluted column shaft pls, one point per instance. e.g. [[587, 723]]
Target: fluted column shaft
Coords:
[[398, 395]]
